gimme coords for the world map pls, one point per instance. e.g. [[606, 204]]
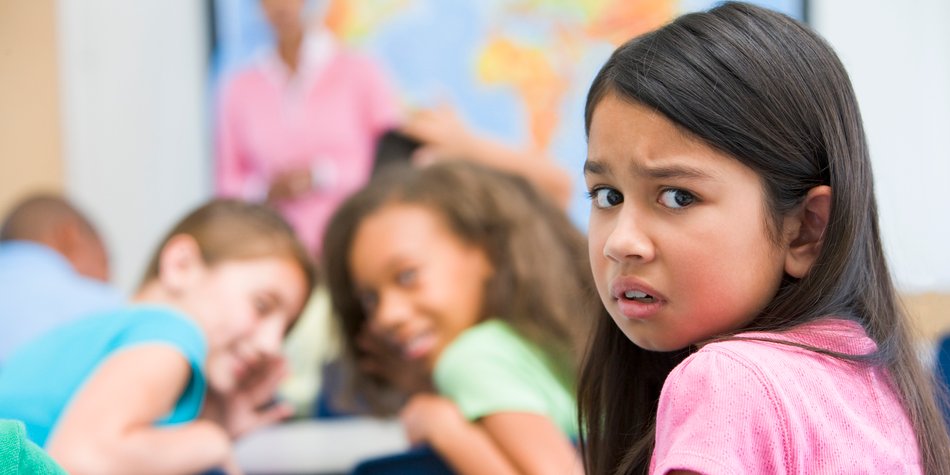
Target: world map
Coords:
[[515, 70]]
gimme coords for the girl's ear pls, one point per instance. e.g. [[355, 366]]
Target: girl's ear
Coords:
[[180, 263], [806, 229]]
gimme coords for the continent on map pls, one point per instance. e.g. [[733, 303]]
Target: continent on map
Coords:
[[534, 79]]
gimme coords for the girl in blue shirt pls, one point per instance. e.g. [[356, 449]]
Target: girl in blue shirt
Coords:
[[165, 384]]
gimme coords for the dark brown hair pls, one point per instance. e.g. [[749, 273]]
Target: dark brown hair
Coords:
[[771, 93], [541, 285], [36, 215], [228, 229]]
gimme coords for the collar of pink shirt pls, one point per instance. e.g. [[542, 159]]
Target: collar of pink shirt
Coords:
[[318, 48]]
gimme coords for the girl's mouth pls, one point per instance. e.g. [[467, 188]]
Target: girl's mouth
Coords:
[[635, 300], [639, 296], [419, 346]]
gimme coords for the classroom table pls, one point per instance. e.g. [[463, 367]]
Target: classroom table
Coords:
[[318, 446]]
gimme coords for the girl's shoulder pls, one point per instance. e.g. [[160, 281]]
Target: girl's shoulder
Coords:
[[830, 334], [774, 388], [157, 323], [106, 332], [491, 368], [491, 348], [770, 358], [491, 328], [492, 339]]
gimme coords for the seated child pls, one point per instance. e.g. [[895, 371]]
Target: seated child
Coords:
[[164, 384], [472, 275], [54, 268]]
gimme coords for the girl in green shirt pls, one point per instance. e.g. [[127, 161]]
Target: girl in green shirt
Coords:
[[480, 283]]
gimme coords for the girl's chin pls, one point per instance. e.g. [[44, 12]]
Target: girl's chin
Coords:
[[655, 345]]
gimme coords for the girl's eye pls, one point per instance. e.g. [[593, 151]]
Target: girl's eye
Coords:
[[605, 197], [262, 306], [676, 198], [406, 277]]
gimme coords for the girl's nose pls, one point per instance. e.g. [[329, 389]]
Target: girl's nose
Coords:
[[390, 314], [269, 337], [629, 239]]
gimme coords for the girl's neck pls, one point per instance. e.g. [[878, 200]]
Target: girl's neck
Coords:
[[289, 45], [154, 293]]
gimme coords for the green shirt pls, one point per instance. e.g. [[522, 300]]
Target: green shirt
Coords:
[[20, 456], [489, 368]]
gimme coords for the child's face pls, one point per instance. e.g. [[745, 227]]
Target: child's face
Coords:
[[678, 235], [419, 284], [245, 307]]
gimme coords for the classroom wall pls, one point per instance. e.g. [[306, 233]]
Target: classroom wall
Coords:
[[135, 118], [898, 55], [30, 145]]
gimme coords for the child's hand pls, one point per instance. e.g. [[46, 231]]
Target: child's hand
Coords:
[[289, 185], [251, 405], [385, 361], [442, 132], [427, 415]]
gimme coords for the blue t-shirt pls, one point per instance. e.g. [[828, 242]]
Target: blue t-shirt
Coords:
[[40, 379]]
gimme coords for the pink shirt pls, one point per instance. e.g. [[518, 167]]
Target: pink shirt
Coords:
[[742, 407], [326, 117]]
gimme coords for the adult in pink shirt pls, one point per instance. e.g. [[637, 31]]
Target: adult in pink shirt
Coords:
[[298, 126]]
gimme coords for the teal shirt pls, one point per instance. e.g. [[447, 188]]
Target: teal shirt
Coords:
[[41, 378], [20, 456], [489, 368]]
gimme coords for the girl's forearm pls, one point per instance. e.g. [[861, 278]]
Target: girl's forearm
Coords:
[[470, 450], [193, 447], [540, 169]]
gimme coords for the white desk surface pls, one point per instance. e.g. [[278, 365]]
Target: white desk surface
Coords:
[[318, 446]]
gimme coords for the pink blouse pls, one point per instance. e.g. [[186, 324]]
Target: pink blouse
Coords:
[[738, 407], [326, 117]]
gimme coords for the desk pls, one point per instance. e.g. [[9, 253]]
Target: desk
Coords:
[[328, 446]]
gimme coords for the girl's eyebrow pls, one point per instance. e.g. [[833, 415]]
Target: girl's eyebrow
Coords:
[[674, 171], [593, 167]]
